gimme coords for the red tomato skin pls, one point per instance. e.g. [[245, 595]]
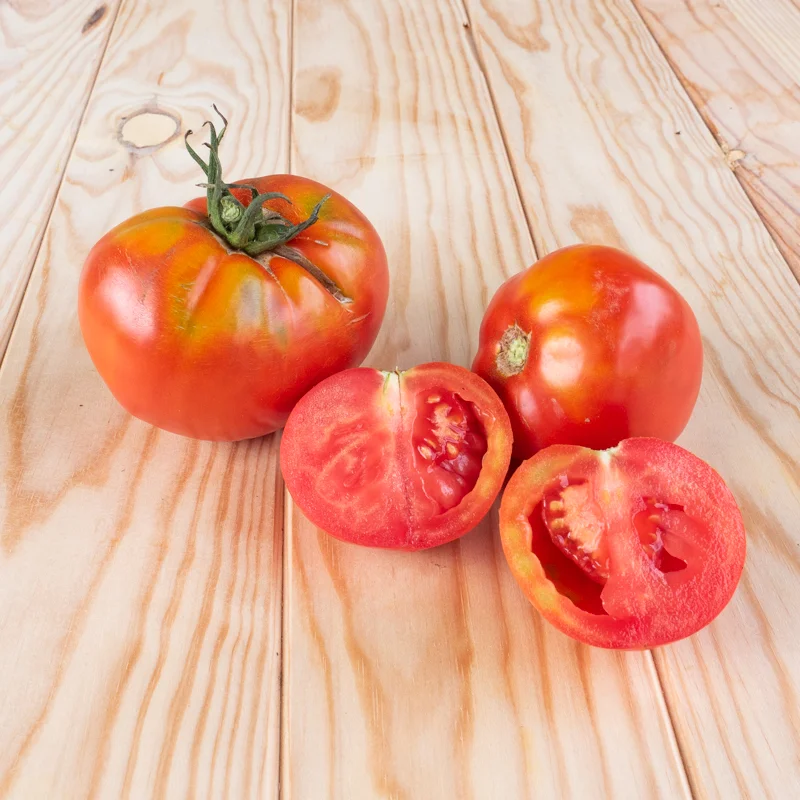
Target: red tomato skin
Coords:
[[615, 351], [645, 608], [347, 456], [210, 343]]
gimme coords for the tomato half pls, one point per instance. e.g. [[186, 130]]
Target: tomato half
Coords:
[[631, 547], [589, 346], [406, 460], [213, 324]]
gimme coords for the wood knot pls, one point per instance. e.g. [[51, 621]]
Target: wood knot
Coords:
[[94, 18], [318, 92], [147, 130]]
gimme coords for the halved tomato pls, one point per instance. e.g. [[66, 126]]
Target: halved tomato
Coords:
[[631, 547], [405, 460]]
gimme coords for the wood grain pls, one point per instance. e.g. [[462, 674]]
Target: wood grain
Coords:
[[428, 675], [607, 147], [739, 62], [49, 54], [140, 573]]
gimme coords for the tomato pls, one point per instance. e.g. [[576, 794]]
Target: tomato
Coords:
[[406, 460], [589, 346], [631, 547], [213, 320]]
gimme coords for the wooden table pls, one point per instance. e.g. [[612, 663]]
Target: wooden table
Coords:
[[170, 626]]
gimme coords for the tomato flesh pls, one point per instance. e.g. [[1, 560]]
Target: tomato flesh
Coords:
[[405, 460], [627, 548]]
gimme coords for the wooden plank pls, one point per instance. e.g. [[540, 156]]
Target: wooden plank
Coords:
[[427, 675], [608, 148], [740, 64], [50, 54], [140, 573]]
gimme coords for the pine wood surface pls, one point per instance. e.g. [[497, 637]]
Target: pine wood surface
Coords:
[[739, 63], [170, 624], [49, 55], [140, 573], [607, 146]]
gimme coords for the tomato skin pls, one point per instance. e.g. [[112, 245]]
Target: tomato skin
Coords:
[[615, 351], [357, 455], [638, 606], [211, 343]]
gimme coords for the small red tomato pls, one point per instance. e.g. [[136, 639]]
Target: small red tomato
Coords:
[[213, 320], [589, 346], [628, 548], [406, 460]]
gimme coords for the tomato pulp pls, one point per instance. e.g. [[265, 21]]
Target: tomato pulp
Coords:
[[211, 323], [629, 548], [406, 460], [589, 346]]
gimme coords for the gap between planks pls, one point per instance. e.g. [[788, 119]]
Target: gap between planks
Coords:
[[286, 511], [59, 182]]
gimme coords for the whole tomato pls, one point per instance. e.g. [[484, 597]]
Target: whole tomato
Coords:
[[214, 319], [589, 346]]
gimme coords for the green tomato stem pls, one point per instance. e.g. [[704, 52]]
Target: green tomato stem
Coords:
[[250, 228]]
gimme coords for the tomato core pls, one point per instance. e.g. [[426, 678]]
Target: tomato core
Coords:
[[576, 526], [574, 520], [572, 517], [449, 441]]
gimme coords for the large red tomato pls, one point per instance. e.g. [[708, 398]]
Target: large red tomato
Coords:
[[589, 346], [214, 319], [405, 460], [629, 548]]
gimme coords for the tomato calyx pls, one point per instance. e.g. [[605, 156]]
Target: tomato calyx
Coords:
[[250, 228], [512, 351]]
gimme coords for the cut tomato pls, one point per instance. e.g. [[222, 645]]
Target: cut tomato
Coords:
[[406, 460], [628, 548]]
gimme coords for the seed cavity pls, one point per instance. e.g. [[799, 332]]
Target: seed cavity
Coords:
[[577, 527], [450, 438]]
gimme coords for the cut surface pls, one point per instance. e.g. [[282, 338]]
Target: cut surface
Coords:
[[397, 459], [627, 548]]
